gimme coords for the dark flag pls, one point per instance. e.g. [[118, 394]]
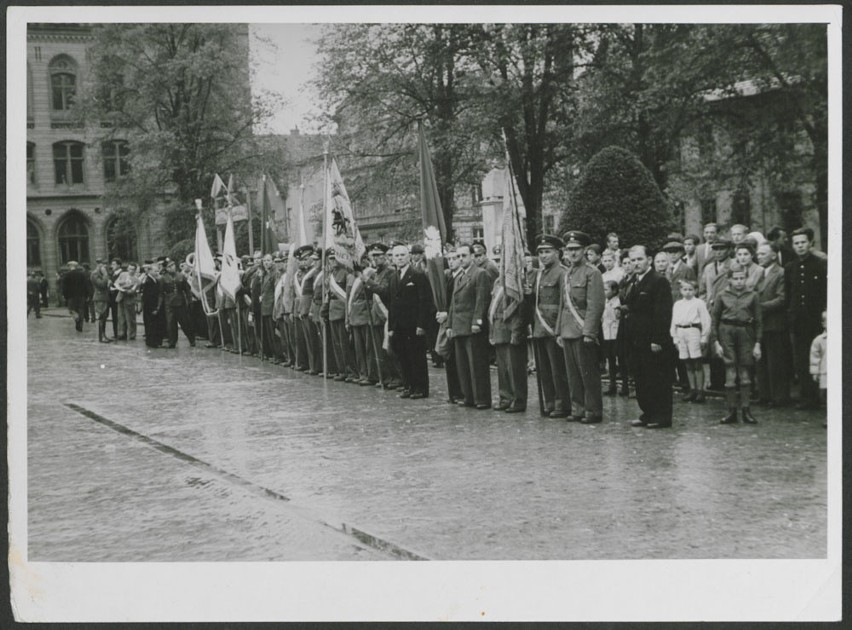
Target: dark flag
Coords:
[[434, 228]]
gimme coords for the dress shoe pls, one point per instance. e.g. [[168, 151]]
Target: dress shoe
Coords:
[[688, 396], [558, 413], [105, 340], [747, 417], [658, 425], [483, 406], [638, 423], [699, 398], [339, 378], [210, 345], [501, 407], [591, 420], [364, 382], [515, 409], [312, 372], [417, 396], [731, 418], [405, 394], [462, 403], [571, 418], [453, 401]]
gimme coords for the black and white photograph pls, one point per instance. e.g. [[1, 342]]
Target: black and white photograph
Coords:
[[416, 313]]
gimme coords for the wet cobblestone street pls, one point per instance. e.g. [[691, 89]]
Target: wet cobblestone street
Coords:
[[205, 455]]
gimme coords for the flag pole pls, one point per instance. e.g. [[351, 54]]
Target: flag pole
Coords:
[[250, 224], [322, 269]]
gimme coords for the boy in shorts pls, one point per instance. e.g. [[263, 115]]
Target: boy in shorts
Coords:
[[737, 329], [690, 331]]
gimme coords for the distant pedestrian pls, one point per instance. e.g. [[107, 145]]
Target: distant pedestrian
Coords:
[[33, 302], [75, 293], [100, 282], [737, 330], [42, 287]]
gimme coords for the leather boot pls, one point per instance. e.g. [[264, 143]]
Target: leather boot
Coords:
[[731, 396], [102, 337], [747, 417]]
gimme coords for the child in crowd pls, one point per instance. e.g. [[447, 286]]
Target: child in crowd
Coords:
[[609, 323], [690, 331], [737, 329], [819, 367]]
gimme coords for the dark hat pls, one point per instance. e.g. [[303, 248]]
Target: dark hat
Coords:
[[673, 246], [576, 238], [478, 248], [380, 248], [721, 243], [245, 258], [546, 241], [98, 261], [161, 259], [148, 261], [330, 254], [417, 248], [277, 259], [594, 247], [304, 250], [317, 252]]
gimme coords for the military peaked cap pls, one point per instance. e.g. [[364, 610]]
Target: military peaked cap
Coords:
[[576, 238]]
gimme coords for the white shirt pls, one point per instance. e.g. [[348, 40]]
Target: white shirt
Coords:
[[693, 311]]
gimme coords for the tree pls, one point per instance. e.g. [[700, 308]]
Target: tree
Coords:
[[530, 94], [617, 193], [179, 95], [377, 80]]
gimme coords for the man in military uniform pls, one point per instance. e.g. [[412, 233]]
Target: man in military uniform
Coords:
[[805, 284], [303, 289], [466, 327], [577, 325], [319, 315], [335, 311], [358, 317], [379, 278], [550, 362], [175, 300]]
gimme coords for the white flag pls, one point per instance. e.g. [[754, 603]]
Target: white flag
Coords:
[[230, 277], [341, 231]]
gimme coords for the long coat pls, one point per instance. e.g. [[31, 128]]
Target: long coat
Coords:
[[470, 301]]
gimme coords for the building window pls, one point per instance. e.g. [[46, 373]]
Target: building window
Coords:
[[68, 162], [29, 97], [74, 239], [121, 237], [478, 233], [63, 82], [115, 160], [31, 163], [33, 245]]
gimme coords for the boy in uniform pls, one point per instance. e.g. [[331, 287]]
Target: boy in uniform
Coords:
[[737, 329]]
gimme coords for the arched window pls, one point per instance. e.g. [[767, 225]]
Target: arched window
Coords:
[[74, 238], [63, 82], [68, 162], [31, 163], [121, 237], [115, 155], [33, 245]]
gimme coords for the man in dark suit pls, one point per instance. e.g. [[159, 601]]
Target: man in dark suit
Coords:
[[466, 327], [410, 304], [454, 390], [773, 368], [649, 311], [76, 293], [175, 300], [704, 252], [806, 288]]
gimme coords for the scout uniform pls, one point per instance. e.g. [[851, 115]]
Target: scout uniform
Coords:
[[737, 326], [581, 307], [550, 362]]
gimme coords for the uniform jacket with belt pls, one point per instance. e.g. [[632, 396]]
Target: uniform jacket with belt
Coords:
[[305, 294], [337, 302], [100, 283], [547, 289], [469, 305], [379, 286], [359, 302], [583, 285], [175, 290]]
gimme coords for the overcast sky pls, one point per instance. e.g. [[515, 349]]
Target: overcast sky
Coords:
[[285, 68]]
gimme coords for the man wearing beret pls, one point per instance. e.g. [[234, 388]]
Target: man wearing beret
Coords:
[[580, 310], [550, 362], [466, 327]]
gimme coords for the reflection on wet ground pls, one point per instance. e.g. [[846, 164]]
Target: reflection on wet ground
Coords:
[[432, 479]]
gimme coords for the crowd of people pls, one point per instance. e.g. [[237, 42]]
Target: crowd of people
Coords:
[[743, 311]]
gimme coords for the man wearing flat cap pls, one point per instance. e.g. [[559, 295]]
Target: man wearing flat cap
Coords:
[[578, 323], [550, 362], [677, 270]]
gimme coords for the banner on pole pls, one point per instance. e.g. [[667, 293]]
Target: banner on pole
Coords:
[[434, 227], [342, 234]]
